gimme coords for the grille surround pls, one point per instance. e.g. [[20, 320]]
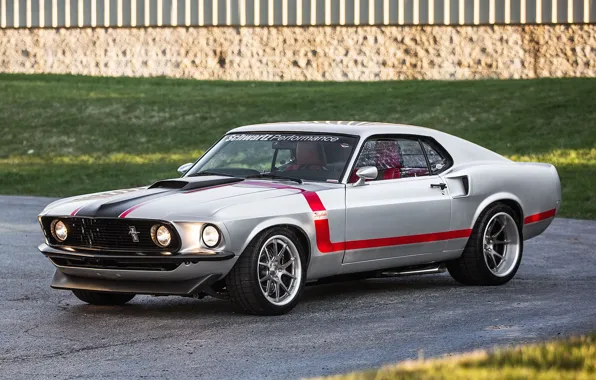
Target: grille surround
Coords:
[[110, 235]]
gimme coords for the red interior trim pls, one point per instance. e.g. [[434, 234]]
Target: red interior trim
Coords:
[[540, 216]]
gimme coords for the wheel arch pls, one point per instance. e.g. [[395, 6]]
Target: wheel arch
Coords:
[[290, 224], [506, 198]]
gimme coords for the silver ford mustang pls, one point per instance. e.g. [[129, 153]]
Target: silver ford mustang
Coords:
[[271, 207]]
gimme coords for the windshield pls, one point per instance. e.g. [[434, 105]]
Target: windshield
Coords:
[[303, 156]]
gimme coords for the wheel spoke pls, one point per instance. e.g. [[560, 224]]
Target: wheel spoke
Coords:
[[286, 273], [277, 292], [493, 253], [274, 249], [268, 287], [266, 278], [285, 288], [263, 264], [492, 258], [281, 252], [503, 225], [501, 241], [287, 263], [268, 254]]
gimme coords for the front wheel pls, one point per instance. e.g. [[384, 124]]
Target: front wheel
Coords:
[[268, 277], [494, 250], [102, 298]]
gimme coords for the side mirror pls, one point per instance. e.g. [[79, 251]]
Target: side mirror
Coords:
[[184, 168], [364, 173]]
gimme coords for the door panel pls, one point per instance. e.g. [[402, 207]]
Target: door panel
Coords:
[[395, 218]]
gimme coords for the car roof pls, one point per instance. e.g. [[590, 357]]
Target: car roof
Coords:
[[461, 150], [358, 128]]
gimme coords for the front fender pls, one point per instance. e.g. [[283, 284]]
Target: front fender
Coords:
[[300, 222]]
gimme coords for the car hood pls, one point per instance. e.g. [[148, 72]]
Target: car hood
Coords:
[[193, 196]]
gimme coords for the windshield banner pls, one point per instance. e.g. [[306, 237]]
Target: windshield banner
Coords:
[[280, 137]]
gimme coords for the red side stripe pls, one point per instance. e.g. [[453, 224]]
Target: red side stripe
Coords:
[[314, 201], [76, 211], [540, 216], [409, 239], [325, 245]]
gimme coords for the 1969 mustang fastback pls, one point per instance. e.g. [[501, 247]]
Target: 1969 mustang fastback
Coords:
[[270, 207]]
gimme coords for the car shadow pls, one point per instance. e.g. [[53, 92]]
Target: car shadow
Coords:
[[374, 286], [316, 296]]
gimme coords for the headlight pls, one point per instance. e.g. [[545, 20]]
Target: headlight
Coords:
[[210, 236], [59, 230], [161, 235]]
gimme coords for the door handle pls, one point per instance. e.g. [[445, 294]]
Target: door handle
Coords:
[[442, 186]]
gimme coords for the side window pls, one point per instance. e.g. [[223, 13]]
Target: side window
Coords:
[[438, 162], [393, 158], [414, 162]]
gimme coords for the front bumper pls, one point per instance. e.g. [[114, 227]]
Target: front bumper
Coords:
[[182, 288], [182, 274]]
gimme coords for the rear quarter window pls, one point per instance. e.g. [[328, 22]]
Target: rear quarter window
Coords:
[[438, 158]]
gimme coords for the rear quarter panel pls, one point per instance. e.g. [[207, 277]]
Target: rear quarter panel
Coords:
[[535, 187]]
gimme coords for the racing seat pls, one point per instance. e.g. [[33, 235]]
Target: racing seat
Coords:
[[388, 159], [309, 156]]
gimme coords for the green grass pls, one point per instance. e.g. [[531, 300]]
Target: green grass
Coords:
[[64, 135], [573, 358]]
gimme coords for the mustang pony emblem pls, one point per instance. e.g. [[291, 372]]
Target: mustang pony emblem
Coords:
[[134, 233]]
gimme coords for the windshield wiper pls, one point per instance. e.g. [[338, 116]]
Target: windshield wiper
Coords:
[[275, 176], [211, 172]]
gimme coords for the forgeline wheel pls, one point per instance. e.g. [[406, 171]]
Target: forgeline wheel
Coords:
[[494, 251], [269, 276], [102, 298]]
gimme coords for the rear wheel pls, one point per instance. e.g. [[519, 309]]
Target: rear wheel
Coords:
[[102, 298], [494, 251], [268, 277]]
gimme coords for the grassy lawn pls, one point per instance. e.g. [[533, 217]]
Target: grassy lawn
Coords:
[[64, 135], [573, 358]]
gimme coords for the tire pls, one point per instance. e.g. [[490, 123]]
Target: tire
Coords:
[[254, 274], [477, 265], [102, 298]]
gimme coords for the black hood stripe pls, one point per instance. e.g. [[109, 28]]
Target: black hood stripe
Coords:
[[103, 209], [122, 206]]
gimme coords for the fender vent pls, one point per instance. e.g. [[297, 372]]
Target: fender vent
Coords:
[[466, 182], [459, 186]]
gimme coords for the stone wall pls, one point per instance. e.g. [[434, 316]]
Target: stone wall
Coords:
[[306, 53]]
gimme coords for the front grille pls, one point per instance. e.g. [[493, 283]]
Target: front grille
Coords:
[[110, 235]]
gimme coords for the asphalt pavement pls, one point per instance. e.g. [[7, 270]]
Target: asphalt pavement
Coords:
[[336, 328]]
